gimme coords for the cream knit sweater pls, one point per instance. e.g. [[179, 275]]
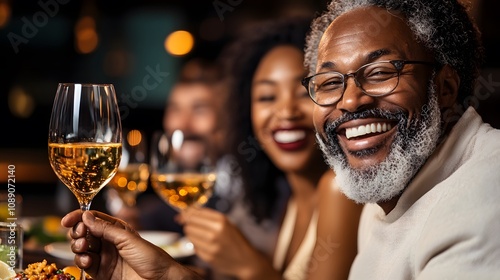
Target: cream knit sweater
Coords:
[[446, 225]]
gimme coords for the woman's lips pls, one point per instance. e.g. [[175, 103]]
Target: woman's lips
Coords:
[[290, 139]]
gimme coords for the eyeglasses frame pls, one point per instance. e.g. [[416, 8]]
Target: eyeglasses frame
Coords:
[[398, 64]]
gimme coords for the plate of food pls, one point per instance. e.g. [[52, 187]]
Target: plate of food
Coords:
[[45, 270]]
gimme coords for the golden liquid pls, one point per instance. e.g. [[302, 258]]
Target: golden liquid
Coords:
[[85, 167], [130, 181], [183, 190]]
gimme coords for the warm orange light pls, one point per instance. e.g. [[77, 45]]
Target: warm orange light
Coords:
[[21, 104], [86, 38], [134, 137], [4, 14], [179, 43]]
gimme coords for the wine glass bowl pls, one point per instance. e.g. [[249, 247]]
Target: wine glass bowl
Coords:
[[85, 139], [84, 167], [183, 173], [132, 176]]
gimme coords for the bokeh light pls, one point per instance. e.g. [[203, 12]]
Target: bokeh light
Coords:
[[5, 12], [179, 43], [134, 137], [86, 38], [21, 104]]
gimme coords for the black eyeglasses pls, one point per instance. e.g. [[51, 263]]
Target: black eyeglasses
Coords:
[[374, 79]]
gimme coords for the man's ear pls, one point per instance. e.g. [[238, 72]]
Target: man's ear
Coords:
[[447, 84]]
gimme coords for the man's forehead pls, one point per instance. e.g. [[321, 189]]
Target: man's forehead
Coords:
[[192, 92], [365, 30]]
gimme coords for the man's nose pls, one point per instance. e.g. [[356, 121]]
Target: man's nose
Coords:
[[353, 99]]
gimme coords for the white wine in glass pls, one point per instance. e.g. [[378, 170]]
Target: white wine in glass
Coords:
[[132, 176], [183, 172], [85, 139]]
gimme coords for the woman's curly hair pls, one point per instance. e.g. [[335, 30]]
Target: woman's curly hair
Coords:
[[240, 61], [443, 26]]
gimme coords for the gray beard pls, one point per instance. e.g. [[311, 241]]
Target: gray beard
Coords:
[[413, 144]]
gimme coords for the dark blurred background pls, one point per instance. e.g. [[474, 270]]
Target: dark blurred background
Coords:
[[46, 42]]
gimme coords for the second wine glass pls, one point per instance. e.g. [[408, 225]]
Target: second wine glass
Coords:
[[182, 169], [133, 171]]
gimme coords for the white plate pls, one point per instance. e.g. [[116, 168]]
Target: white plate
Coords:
[[182, 248], [169, 241], [159, 238], [60, 250]]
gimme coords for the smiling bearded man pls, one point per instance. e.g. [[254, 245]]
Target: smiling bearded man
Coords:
[[414, 143], [385, 75]]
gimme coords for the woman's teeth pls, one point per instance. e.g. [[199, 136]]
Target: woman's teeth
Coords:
[[366, 129], [289, 136]]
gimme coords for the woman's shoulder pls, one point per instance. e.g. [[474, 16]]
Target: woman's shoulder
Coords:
[[327, 184]]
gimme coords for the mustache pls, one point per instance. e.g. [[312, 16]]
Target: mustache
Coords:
[[189, 136], [194, 137], [331, 126]]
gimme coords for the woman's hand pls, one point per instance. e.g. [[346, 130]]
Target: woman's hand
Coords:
[[108, 248], [218, 242]]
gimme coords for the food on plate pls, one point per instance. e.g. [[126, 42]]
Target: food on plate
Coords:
[[44, 271]]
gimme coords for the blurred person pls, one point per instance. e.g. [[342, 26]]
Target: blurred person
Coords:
[[388, 77], [194, 106], [273, 138]]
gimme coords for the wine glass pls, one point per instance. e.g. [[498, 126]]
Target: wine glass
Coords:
[[132, 176], [182, 169], [85, 139]]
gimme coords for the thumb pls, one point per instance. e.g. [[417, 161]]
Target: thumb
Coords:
[[106, 227]]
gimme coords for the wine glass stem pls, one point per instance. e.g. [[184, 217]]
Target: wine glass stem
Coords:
[[84, 207]]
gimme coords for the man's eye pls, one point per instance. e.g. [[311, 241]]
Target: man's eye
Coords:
[[330, 84], [265, 98], [379, 73]]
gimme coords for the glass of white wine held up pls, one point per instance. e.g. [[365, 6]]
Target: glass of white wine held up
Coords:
[[85, 138], [182, 169]]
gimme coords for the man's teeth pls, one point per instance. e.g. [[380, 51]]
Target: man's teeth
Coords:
[[366, 129], [289, 136]]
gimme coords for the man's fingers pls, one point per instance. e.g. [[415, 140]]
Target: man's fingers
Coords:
[[110, 229], [85, 261], [78, 230], [72, 218]]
